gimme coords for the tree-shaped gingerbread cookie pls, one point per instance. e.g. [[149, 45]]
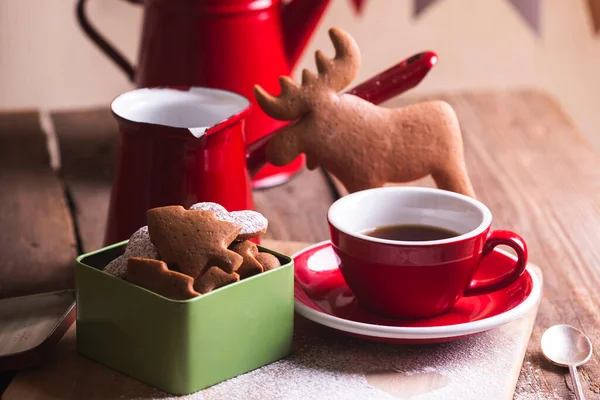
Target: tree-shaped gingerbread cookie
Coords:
[[363, 145]]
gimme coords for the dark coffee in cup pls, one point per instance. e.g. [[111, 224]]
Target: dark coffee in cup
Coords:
[[411, 232]]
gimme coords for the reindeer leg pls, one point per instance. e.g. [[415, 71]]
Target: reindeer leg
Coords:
[[454, 179], [352, 186]]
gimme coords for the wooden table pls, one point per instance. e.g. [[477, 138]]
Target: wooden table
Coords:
[[528, 163]]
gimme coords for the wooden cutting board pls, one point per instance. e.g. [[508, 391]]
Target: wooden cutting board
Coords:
[[324, 364]]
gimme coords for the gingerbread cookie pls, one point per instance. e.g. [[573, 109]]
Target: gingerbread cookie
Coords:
[[255, 262], [156, 277], [253, 224], [363, 145], [250, 266], [139, 245], [268, 261], [192, 240], [214, 278]]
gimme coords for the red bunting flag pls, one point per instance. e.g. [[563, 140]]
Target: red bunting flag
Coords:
[[529, 10], [358, 5], [421, 5]]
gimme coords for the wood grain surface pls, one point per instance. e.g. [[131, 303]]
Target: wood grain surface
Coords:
[[88, 142], [37, 242], [532, 168], [297, 211]]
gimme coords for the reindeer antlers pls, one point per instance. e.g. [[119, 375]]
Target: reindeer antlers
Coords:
[[285, 107], [334, 74], [341, 71]]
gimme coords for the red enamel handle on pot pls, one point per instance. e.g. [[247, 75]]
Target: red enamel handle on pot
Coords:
[[497, 238], [397, 79], [394, 81]]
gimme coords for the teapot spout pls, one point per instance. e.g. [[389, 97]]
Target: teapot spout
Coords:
[[299, 20], [395, 80]]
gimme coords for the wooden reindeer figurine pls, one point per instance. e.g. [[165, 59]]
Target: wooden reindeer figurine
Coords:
[[363, 145]]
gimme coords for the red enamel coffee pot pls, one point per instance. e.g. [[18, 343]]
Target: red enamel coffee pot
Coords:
[[224, 44], [185, 144]]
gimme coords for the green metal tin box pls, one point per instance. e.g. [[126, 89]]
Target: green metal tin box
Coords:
[[181, 347]]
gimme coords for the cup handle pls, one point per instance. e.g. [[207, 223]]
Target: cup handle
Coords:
[[496, 238]]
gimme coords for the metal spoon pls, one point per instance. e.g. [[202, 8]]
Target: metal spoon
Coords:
[[567, 346]]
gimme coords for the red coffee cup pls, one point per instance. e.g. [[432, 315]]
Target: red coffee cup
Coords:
[[417, 279]]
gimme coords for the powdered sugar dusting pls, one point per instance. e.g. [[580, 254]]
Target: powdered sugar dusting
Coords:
[[533, 389], [253, 223], [328, 365], [117, 267], [139, 245], [209, 206]]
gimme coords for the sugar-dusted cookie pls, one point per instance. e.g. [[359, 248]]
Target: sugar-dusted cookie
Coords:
[[214, 278], [363, 145], [250, 266], [192, 240], [253, 223], [210, 206], [268, 261], [117, 267], [156, 277], [139, 245]]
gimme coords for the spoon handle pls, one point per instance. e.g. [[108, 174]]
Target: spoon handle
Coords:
[[575, 378]]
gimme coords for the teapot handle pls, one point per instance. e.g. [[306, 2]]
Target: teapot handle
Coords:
[[102, 43]]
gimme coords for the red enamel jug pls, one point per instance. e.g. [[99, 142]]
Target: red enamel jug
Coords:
[[225, 44], [183, 145]]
